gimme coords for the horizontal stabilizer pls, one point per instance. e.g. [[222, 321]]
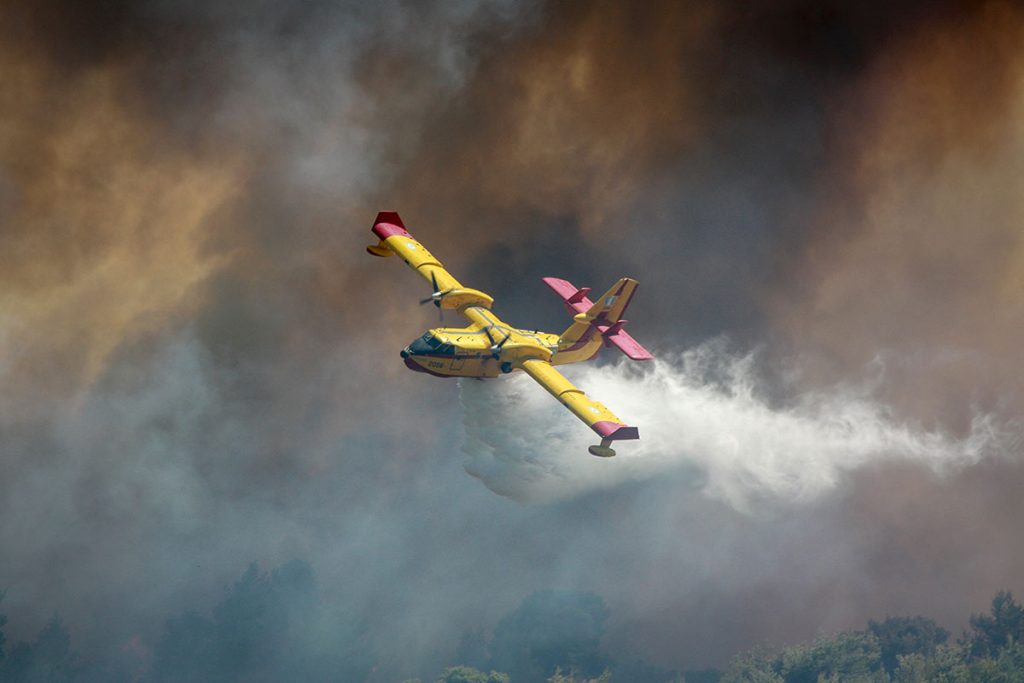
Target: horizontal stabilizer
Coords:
[[575, 299], [629, 346], [380, 249]]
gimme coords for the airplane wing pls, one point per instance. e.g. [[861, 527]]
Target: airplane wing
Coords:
[[395, 239], [594, 414]]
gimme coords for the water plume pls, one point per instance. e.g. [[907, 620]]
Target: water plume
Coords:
[[704, 417]]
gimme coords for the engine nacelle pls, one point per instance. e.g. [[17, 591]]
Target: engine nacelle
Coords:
[[464, 297]]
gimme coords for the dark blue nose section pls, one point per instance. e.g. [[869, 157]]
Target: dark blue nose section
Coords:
[[404, 353], [419, 347]]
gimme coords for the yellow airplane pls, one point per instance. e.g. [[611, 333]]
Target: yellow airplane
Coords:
[[489, 347]]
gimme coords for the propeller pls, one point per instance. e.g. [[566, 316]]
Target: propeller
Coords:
[[496, 346], [436, 296]]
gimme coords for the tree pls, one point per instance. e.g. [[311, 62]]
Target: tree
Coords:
[[551, 630], [906, 635], [559, 677], [899, 650], [990, 634], [467, 674], [756, 666], [1011, 663], [846, 656]]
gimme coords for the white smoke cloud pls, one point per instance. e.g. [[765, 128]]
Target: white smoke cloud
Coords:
[[703, 419]]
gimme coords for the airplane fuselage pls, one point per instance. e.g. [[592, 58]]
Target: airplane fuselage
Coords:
[[489, 347]]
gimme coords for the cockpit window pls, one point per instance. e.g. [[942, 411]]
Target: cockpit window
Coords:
[[437, 346]]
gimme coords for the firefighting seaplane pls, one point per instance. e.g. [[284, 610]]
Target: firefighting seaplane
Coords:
[[489, 347]]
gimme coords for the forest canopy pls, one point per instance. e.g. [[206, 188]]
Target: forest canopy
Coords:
[[275, 625]]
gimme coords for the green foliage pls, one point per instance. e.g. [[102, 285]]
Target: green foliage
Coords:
[[905, 635], [957, 665], [559, 677], [900, 650], [848, 656], [756, 666], [946, 664], [274, 626], [844, 657], [1002, 627], [1011, 663], [467, 674], [548, 631]]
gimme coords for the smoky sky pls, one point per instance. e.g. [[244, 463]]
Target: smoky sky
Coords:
[[199, 361]]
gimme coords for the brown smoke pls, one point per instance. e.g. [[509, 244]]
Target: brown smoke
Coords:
[[103, 224], [568, 118], [920, 249]]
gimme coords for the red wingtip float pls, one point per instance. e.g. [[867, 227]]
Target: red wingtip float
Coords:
[[489, 347]]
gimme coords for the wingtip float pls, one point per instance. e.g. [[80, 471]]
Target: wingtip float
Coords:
[[489, 347]]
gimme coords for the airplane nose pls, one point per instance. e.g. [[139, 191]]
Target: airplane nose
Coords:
[[404, 353]]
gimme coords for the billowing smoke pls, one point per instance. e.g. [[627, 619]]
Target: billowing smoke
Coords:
[[199, 362], [703, 413]]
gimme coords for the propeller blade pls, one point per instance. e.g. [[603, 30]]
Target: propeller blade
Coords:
[[436, 297], [496, 346], [433, 296]]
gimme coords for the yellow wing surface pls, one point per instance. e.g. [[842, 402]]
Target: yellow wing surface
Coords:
[[395, 239], [594, 414]]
